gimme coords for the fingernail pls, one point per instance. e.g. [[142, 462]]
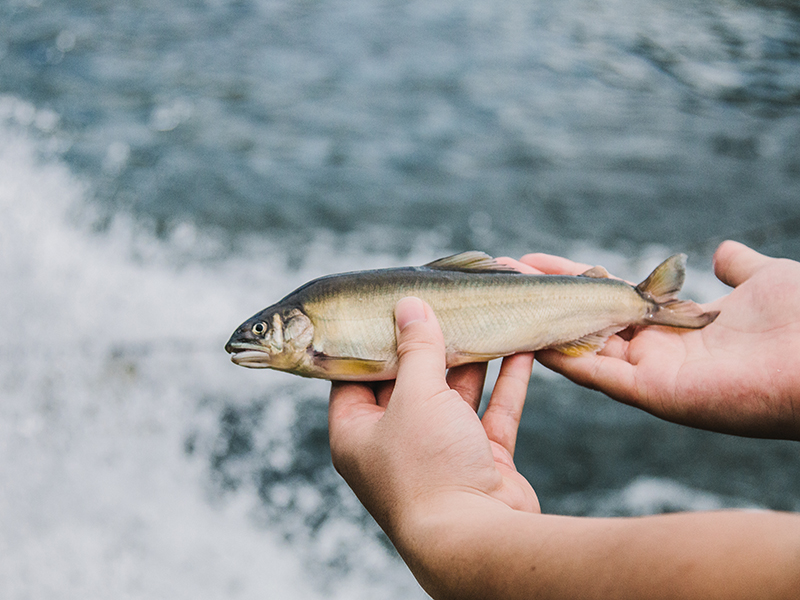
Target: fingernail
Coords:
[[408, 310]]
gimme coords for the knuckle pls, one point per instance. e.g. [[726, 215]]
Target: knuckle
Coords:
[[415, 344]]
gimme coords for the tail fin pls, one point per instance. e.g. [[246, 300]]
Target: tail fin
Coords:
[[680, 313], [665, 281], [661, 288]]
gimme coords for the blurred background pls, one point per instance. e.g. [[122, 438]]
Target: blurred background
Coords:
[[169, 168]]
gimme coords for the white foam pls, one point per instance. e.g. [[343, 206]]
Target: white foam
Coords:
[[650, 495], [647, 495], [109, 344]]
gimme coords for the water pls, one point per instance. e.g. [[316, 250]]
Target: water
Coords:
[[168, 169]]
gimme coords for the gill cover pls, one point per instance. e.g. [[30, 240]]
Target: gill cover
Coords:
[[274, 338]]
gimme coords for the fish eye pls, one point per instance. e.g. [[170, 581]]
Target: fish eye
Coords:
[[260, 328]]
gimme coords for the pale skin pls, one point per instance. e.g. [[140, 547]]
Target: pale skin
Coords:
[[442, 483], [739, 375]]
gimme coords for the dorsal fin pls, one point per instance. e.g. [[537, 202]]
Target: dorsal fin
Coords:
[[597, 272], [666, 279], [471, 261]]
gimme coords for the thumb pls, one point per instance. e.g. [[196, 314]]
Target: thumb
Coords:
[[735, 263], [420, 350]]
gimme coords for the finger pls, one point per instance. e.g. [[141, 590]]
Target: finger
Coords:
[[348, 401], [519, 266], [420, 350], [735, 263], [554, 265], [349, 404], [617, 345], [611, 375], [502, 416], [383, 391], [468, 381]]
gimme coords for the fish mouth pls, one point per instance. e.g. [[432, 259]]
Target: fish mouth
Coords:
[[248, 355]]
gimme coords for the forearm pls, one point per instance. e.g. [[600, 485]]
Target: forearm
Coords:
[[480, 549]]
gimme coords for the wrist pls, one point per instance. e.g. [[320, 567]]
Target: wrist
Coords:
[[444, 540]]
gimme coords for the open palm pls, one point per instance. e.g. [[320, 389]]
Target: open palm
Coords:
[[740, 374]]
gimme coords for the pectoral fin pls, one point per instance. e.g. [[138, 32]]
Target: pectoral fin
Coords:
[[455, 359], [349, 368]]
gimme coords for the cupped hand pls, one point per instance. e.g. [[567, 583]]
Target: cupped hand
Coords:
[[418, 440], [739, 375]]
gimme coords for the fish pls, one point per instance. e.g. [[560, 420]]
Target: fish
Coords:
[[341, 327]]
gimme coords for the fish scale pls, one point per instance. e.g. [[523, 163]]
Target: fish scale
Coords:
[[342, 326]]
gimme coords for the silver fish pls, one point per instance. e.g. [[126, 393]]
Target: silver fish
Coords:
[[341, 327]]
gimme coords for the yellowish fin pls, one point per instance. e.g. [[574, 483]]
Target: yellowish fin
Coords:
[[665, 281], [594, 342], [661, 287], [348, 368], [472, 261]]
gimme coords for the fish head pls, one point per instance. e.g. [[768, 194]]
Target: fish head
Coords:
[[276, 338]]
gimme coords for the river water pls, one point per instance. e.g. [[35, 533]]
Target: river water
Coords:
[[169, 168]]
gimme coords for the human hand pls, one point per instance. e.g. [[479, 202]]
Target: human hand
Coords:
[[739, 375], [442, 484], [417, 444]]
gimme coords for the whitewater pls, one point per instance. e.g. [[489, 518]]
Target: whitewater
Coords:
[[137, 461]]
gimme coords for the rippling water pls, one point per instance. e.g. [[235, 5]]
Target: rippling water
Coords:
[[168, 169]]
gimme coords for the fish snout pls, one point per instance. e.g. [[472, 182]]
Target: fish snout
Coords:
[[242, 339]]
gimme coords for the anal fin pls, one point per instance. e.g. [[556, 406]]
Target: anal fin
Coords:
[[588, 344]]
